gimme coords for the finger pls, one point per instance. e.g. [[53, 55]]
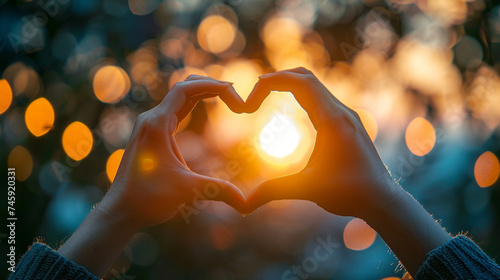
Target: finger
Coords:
[[183, 93], [191, 103], [287, 187], [179, 96], [209, 188], [304, 71], [306, 89], [177, 152], [299, 70], [232, 99], [194, 77]]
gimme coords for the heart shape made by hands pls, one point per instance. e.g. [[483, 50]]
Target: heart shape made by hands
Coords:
[[342, 175], [285, 140], [344, 169]]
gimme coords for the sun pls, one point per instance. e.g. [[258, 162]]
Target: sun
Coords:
[[280, 137]]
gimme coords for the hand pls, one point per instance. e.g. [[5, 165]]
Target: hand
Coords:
[[345, 174], [153, 180]]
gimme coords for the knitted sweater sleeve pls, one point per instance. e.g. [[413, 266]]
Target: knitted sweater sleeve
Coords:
[[41, 262], [460, 258]]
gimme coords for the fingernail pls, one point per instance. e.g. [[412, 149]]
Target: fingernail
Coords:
[[265, 75]]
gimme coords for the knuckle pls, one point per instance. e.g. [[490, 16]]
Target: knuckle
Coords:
[[310, 78], [192, 77], [303, 69], [354, 114], [143, 119], [178, 84]]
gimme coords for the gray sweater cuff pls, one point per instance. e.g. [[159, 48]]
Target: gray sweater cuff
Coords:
[[460, 258], [41, 262]]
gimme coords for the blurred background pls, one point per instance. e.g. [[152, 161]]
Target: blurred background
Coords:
[[422, 74]]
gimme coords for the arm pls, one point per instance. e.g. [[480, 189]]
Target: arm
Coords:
[[152, 181], [345, 174], [408, 229]]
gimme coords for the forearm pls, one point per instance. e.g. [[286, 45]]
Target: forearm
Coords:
[[97, 242], [408, 230]]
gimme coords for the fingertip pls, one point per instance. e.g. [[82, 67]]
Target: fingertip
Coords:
[[249, 109], [232, 99], [255, 200], [232, 195]]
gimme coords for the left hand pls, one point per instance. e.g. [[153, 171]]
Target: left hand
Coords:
[[344, 175]]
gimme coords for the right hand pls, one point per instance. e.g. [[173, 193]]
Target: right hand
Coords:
[[153, 180], [345, 174]]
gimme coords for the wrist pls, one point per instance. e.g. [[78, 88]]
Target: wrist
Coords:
[[406, 227], [98, 241], [115, 213], [114, 221], [384, 197]]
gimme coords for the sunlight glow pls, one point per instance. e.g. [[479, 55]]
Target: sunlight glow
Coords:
[[39, 117], [486, 169], [77, 140], [280, 136]]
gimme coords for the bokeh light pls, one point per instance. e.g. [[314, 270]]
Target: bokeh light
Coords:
[[216, 34], [486, 169], [113, 163], [24, 80], [148, 162], [223, 236], [281, 33], [369, 122], [111, 84], [77, 141], [358, 235], [243, 73], [39, 117], [142, 7], [5, 95], [20, 159], [420, 136]]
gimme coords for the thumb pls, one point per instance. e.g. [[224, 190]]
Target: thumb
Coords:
[[287, 187], [209, 188]]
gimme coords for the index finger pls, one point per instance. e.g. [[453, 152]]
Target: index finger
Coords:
[[184, 95], [304, 86], [231, 97]]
